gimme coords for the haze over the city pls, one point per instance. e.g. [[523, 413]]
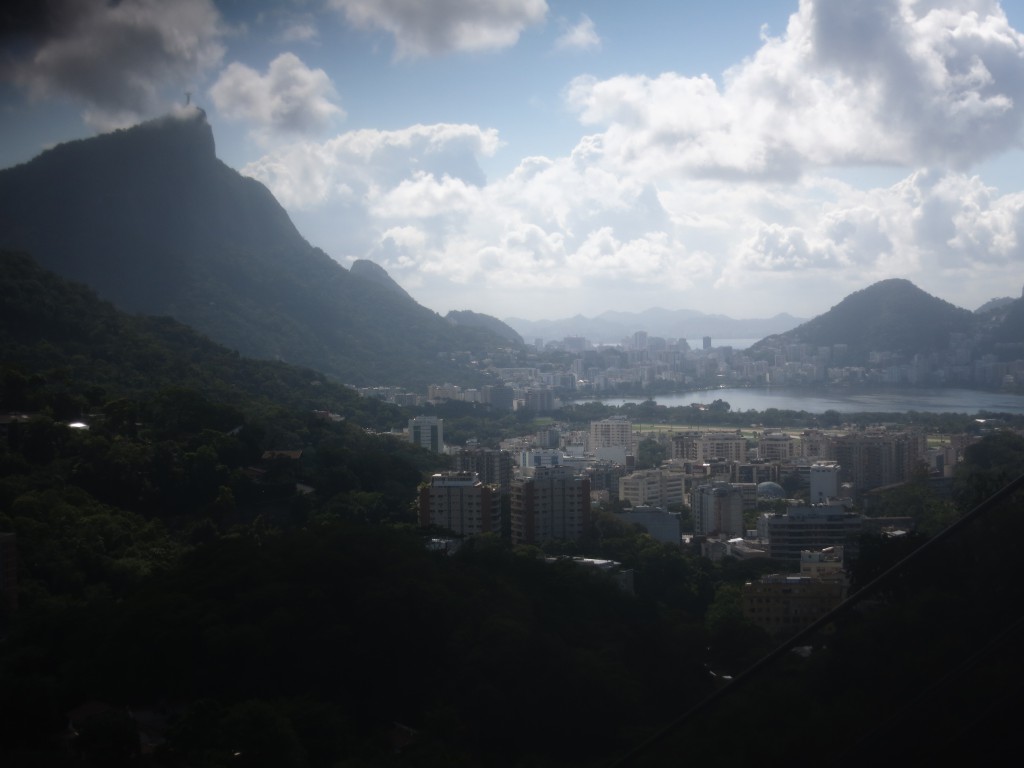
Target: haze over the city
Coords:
[[541, 159]]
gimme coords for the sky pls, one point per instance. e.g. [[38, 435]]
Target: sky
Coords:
[[541, 159]]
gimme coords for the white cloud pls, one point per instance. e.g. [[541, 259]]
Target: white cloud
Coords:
[[119, 58], [581, 37], [896, 82], [687, 193], [444, 26], [425, 196], [308, 174], [290, 97]]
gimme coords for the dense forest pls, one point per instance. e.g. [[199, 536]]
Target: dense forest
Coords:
[[216, 565]]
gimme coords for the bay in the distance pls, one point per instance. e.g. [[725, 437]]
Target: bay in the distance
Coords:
[[882, 400]]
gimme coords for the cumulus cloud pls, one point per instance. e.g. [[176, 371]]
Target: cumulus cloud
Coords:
[[686, 186], [289, 97], [118, 58], [930, 225], [581, 37], [445, 26], [896, 82], [308, 174]]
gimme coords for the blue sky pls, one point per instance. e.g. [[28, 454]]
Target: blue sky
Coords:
[[540, 159]]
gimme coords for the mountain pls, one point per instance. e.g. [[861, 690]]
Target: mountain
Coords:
[[892, 315], [156, 224], [994, 304], [59, 341], [374, 272], [469, 319], [612, 326]]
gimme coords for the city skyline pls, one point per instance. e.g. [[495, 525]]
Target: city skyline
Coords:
[[544, 159]]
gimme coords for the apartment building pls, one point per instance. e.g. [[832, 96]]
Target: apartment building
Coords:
[[612, 439], [879, 457], [717, 510], [655, 487], [493, 466], [460, 502], [554, 503], [702, 447]]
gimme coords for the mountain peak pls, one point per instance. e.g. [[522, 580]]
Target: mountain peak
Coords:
[[371, 270], [181, 136], [188, 126], [890, 315]]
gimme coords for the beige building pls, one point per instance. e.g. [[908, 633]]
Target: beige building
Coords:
[[654, 487], [702, 447], [779, 446]]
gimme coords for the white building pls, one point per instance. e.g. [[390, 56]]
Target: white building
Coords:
[[612, 439], [824, 481]]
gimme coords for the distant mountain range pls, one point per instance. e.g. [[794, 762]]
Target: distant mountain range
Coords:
[[613, 326], [155, 223]]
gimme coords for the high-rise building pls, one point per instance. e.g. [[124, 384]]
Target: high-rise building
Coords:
[[879, 457], [717, 510], [612, 438], [812, 527], [427, 432], [554, 503], [494, 467], [461, 503], [824, 481]]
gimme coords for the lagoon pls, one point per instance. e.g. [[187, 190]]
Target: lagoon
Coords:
[[876, 400]]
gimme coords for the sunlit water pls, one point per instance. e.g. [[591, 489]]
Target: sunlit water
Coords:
[[874, 401]]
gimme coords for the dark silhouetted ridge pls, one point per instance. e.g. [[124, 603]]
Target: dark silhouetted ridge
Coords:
[[150, 219]]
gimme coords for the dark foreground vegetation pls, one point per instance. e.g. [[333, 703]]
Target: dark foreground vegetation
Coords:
[[222, 571]]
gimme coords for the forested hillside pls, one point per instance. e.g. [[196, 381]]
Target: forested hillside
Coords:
[[215, 565], [219, 564]]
